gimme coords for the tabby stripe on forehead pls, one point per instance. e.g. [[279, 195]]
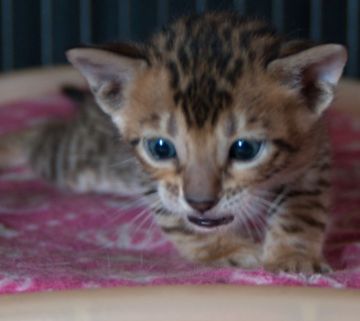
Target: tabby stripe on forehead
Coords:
[[185, 109], [234, 74], [170, 39], [183, 59], [246, 37], [222, 63], [174, 74]]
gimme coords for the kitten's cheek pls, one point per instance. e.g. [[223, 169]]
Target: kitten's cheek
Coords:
[[172, 203], [167, 201]]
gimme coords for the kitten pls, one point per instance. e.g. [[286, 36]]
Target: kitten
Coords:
[[224, 117]]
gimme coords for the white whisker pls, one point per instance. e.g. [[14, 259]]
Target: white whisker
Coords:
[[273, 204], [139, 216], [121, 163], [146, 218], [249, 215]]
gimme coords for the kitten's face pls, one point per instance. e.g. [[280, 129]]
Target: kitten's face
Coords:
[[219, 109], [217, 171]]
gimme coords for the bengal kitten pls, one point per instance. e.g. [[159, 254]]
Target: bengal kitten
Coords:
[[225, 117]]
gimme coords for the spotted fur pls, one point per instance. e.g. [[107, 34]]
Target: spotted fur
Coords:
[[206, 60], [202, 83]]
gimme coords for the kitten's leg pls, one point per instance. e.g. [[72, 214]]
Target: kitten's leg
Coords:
[[217, 249], [295, 236]]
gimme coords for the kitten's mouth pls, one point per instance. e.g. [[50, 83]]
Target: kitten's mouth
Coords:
[[210, 222]]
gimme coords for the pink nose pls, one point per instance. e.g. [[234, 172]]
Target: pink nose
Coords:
[[200, 205]]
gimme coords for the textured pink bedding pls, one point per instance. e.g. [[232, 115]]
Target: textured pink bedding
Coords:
[[53, 240]]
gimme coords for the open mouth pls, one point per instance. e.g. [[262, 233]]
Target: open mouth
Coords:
[[209, 223]]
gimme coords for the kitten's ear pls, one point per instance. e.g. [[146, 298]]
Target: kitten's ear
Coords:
[[108, 74], [313, 72]]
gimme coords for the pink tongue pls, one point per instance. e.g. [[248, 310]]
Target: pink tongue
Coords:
[[207, 222]]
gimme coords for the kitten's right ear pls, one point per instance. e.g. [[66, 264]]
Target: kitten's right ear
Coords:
[[313, 73], [108, 74]]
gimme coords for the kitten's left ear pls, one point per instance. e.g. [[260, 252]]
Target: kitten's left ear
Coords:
[[109, 74], [313, 72]]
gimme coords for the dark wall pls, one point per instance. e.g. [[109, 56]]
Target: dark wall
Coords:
[[36, 32]]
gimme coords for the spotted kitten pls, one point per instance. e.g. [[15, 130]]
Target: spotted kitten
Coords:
[[225, 117]]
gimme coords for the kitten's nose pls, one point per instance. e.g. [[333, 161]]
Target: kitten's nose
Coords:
[[201, 205]]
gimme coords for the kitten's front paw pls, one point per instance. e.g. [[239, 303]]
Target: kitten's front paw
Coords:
[[240, 261], [297, 263]]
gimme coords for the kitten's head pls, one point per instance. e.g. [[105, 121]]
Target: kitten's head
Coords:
[[220, 110]]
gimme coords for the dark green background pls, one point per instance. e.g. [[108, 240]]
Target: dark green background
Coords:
[[36, 32]]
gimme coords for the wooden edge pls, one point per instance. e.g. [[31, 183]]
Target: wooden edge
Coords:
[[185, 303], [33, 83]]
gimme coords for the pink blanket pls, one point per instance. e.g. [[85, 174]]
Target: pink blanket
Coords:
[[52, 240]]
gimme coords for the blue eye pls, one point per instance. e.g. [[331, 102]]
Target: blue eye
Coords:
[[161, 148], [244, 150]]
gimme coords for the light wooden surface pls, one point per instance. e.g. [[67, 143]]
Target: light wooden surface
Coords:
[[185, 303], [172, 303], [35, 82]]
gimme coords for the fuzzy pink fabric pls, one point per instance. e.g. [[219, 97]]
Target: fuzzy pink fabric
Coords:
[[53, 240]]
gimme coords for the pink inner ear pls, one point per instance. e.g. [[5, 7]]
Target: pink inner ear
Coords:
[[99, 72], [100, 66], [323, 63], [87, 63], [328, 69], [310, 88], [313, 72]]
